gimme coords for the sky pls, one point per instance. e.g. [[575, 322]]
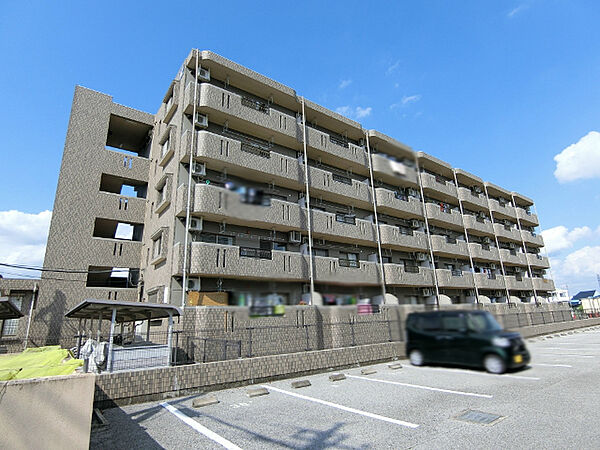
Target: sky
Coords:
[[507, 90]]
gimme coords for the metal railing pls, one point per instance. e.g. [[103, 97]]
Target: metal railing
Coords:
[[349, 263], [255, 253]]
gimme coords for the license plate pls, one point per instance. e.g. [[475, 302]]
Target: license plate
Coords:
[[518, 359]]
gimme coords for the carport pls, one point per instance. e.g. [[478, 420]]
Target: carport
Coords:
[[8, 310], [121, 312]]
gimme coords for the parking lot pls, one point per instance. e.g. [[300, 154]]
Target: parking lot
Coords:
[[553, 403]]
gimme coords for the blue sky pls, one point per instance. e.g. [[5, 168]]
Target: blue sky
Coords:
[[498, 88]]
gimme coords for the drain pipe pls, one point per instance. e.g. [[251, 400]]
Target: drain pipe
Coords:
[[524, 247], [189, 188], [308, 213], [376, 218]]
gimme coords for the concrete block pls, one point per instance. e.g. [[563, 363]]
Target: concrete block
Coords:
[[395, 366], [337, 377], [368, 371], [204, 401], [300, 384], [257, 392]]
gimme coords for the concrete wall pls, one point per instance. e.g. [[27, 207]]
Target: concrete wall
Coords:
[[49, 413]]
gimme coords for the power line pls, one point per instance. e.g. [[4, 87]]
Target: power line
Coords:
[[33, 277], [62, 270]]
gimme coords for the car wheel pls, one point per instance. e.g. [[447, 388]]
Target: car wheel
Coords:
[[416, 357], [494, 364]]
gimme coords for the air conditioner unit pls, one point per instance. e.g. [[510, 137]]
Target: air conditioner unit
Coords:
[[196, 224], [421, 256], [198, 169], [193, 284], [412, 192], [201, 120], [414, 223], [426, 292], [203, 74], [492, 266], [511, 245], [295, 236], [487, 240]]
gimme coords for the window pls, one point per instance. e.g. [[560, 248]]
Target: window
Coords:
[[225, 240], [157, 246], [453, 322], [279, 246], [9, 327], [320, 252], [164, 149]]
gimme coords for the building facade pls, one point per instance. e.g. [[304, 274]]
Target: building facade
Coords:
[[240, 192]]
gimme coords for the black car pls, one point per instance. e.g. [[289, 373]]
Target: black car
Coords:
[[470, 338]]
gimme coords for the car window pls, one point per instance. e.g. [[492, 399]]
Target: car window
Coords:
[[429, 323], [476, 322], [454, 322]]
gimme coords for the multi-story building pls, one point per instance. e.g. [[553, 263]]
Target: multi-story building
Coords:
[[240, 190]]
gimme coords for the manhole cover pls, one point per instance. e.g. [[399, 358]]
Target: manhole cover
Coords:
[[479, 417]]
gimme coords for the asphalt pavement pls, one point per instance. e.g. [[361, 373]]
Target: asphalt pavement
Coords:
[[553, 403]]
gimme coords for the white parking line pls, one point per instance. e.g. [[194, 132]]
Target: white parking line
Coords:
[[569, 354], [199, 428], [550, 365], [418, 386], [568, 349], [471, 372], [344, 408]]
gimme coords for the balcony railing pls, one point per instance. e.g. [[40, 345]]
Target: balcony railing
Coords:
[[457, 273], [255, 150], [338, 141], [256, 104], [349, 263], [411, 269], [342, 179], [343, 218], [255, 253]]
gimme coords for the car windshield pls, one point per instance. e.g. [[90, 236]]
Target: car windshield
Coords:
[[480, 322]]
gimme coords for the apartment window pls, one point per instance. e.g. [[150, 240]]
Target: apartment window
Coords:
[[349, 259], [157, 246], [279, 246], [164, 148], [225, 240], [320, 252], [10, 326]]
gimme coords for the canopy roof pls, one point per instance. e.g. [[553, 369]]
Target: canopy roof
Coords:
[[8, 310], [126, 311]]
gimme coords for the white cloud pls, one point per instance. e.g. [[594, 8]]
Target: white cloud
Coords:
[[585, 261], [23, 239], [579, 161], [344, 84], [363, 112], [354, 113], [392, 68], [513, 12], [406, 100], [560, 238]]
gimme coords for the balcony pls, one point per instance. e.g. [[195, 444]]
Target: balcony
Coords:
[[242, 112], [502, 211], [338, 188], [390, 203], [230, 261], [474, 225], [392, 237], [250, 160], [219, 204], [438, 216], [471, 199], [456, 279], [119, 207], [325, 225], [332, 270], [515, 283], [397, 275], [442, 246], [438, 186], [511, 234], [114, 252], [527, 218], [394, 173], [125, 165], [479, 253], [518, 259], [538, 261], [485, 281], [337, 153], [533, 239], [171, 101], [543, 284]]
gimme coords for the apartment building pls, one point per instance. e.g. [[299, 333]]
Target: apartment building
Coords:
[[240, 192]]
